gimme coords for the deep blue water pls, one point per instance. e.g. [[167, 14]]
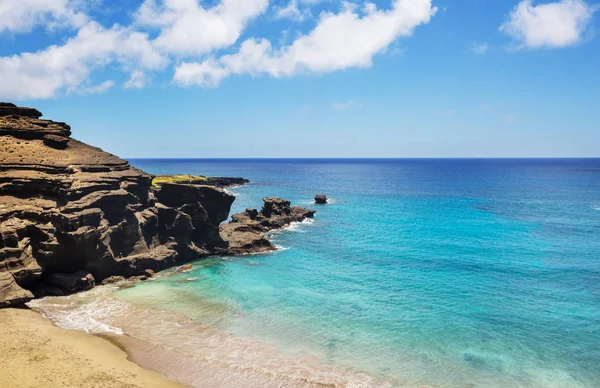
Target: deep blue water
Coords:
[[467, 273]]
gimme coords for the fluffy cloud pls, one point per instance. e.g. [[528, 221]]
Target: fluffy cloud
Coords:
[[67, 68], [22, 15], [557, 24], [292, 11], [186, 28], [137, 80], [350, 38]]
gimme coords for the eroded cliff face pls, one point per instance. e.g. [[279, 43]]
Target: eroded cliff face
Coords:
[[72, 214]]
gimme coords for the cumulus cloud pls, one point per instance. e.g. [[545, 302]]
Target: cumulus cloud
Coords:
[[46, 73], [557, 24], [20, 16], [186, 28], [350, 38]]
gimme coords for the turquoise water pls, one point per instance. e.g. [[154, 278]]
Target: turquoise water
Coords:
[[449, 273]]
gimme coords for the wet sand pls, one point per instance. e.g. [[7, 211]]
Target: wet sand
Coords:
[[35, 353]]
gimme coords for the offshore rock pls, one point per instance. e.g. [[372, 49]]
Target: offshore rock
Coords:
[[246, 231], [72, 215], [321, 199]]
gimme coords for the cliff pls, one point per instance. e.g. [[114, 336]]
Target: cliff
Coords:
[[72, 215]]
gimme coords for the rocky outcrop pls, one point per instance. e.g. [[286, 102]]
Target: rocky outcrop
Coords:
[[321, 199], [246, 232], [72, 215], [220, 182]]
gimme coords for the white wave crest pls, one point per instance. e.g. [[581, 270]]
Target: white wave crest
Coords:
[[80, 313]]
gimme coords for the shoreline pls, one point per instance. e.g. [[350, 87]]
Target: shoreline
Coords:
[[34, 352], [193, 353]]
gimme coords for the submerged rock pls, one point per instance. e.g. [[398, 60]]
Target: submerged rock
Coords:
[[113, 280], [184, 268]]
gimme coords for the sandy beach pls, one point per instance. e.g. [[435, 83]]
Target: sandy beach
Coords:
[[35, 353]]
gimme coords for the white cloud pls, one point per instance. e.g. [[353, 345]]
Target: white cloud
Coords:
[[98, 89], [292, 11], [339, 41], [137, 80], [345, 105], [63, 69], [22, 15], [186, 28], [510, 118], [479, 48], [557, 24]]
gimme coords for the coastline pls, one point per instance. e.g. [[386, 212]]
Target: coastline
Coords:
[[194, 353], [35, 353]]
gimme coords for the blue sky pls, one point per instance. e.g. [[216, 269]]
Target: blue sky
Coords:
[[310, 78]]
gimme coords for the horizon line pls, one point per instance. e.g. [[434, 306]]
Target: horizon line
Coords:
[[369, 158]]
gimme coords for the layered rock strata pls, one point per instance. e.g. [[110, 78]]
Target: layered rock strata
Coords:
[[72, 215]]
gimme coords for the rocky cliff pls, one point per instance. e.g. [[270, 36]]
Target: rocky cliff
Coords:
[[72, 215]]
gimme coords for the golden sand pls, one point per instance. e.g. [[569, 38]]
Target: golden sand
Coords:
[[35, 353]]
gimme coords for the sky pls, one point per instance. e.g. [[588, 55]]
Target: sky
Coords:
[[310, 78]]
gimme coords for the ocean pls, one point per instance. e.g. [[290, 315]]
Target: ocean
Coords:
[[420, 272]]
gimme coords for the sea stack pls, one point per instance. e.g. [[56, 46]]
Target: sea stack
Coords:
[[321, 199]]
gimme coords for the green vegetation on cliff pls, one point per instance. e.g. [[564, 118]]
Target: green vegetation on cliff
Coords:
[[181, 178]]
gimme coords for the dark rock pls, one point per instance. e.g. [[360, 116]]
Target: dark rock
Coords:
[[245, 233], [7, 109], [72, 215], [321, 199], [67, 207], [252, 213], [148, 273], [71, 282], [224, 182], [55, 141]]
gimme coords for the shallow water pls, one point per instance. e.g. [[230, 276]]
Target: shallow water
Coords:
[[449, 273]]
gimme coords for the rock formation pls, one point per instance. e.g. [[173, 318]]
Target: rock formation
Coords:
[[72, 215], [221, 182], [69, 211], [321, 199], [246, 231]]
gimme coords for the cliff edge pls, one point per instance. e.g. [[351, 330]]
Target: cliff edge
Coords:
[[72, 215]]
